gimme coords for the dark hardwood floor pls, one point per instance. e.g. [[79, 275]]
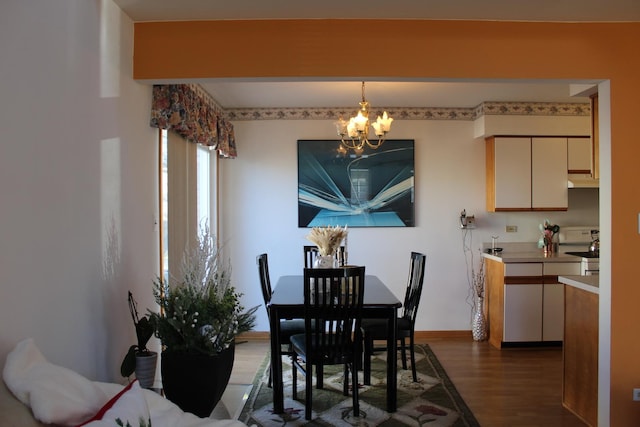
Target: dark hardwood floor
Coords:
[[513, 387]]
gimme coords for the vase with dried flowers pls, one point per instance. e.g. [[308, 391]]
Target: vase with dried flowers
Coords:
[[478, 322], [328, 240]]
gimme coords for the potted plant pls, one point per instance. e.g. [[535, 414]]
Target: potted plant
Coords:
[[139, 358], [200, 316]]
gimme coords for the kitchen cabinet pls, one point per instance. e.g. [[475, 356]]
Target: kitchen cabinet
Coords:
[[526, 302], [595, 133], [515, 298], [553, 298], [522, 312], [553, 312], [579, 155], [526, 173]]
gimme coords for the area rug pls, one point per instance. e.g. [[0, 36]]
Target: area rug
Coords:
[[432, 401]]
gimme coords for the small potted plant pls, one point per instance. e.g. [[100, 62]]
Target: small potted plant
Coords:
[[139, 358]]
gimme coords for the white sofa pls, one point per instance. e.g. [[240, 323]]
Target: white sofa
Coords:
[[38, 393]]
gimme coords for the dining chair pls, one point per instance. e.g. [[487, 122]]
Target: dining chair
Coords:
[[376, 329], [332, 315], [311, 252], [288, 327]]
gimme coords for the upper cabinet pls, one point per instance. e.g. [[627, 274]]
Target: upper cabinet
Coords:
[[527, 173], [580, 155]]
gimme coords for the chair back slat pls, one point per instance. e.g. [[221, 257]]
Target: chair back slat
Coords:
[[333, 312], [414, 286]]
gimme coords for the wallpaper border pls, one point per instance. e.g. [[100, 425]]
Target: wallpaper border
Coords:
[[416, 113]]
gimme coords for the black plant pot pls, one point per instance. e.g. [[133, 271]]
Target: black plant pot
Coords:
[[195, 382]]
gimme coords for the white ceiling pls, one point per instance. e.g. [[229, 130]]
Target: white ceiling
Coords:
[[382, 94], [337, 92]]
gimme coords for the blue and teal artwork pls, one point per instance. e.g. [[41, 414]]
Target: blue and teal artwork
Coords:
[[340, 187]]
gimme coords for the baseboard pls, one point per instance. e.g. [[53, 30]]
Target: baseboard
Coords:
[[419, 335], [253, 336], [427, 335]]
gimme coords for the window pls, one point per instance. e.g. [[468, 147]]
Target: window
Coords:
[[187, 199]]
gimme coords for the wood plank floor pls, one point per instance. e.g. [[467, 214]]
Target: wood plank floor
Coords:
[[514, 387]]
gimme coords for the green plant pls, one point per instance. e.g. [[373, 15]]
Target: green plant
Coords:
[[144, 332], [200, 312]]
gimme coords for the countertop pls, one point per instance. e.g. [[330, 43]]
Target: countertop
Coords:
[[586, 283], [528, 253]]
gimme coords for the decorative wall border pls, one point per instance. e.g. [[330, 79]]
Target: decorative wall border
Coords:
[[415, 113]]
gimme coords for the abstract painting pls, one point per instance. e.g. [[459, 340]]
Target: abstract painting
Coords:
[[340, 187]]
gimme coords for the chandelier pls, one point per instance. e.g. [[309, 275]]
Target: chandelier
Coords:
[[354, 133]]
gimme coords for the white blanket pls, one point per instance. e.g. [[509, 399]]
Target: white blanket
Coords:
[[60, 396]]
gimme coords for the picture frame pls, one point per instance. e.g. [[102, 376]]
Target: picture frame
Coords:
[[339, 187]]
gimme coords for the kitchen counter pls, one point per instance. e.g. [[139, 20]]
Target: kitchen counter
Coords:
[[586, 283], [580, 349], [531, 256]]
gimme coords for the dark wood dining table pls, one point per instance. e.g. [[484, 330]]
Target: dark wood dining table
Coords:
[[287, 302]]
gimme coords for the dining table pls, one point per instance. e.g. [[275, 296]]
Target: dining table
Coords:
[[287, 302]]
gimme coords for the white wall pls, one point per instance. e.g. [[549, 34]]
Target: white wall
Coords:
[[77, 181], [259, 213]]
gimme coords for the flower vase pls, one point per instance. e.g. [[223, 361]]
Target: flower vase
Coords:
[[550, 248], [479, 323], [325, 261]]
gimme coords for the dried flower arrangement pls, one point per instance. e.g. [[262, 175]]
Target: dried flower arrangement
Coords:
[[327, 239], [478, 280]]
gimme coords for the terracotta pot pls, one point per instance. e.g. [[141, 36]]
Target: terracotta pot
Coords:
[[195, 382]]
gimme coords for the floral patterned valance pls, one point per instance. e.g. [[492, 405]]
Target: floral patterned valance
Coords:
[[188, 111]]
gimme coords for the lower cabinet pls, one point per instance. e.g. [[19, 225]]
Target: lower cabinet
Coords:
[[526, 302], [553, 312], [522, 312]]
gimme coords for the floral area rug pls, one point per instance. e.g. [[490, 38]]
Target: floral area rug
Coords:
[[432, 401]]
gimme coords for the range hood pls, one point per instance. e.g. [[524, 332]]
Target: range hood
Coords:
[[583, 181]]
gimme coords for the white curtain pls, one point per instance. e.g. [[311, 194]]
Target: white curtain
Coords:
[[182, 215]]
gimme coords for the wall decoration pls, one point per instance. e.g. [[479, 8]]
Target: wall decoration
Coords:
[[372, 189]]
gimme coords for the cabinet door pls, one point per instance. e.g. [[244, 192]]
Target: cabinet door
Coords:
[[553, 312], [512, 173], [522, 312], [549, 176], [553, 298], [579, 155]]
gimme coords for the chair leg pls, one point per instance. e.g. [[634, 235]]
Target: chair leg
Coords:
[[355, 391], [294, 380], [368, 351], [308, 407], [345, 380], [404, 354], [269, 382], [320, 376], [359, 342], [413, 358]]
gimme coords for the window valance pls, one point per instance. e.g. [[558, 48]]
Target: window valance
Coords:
[[190, 112]]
